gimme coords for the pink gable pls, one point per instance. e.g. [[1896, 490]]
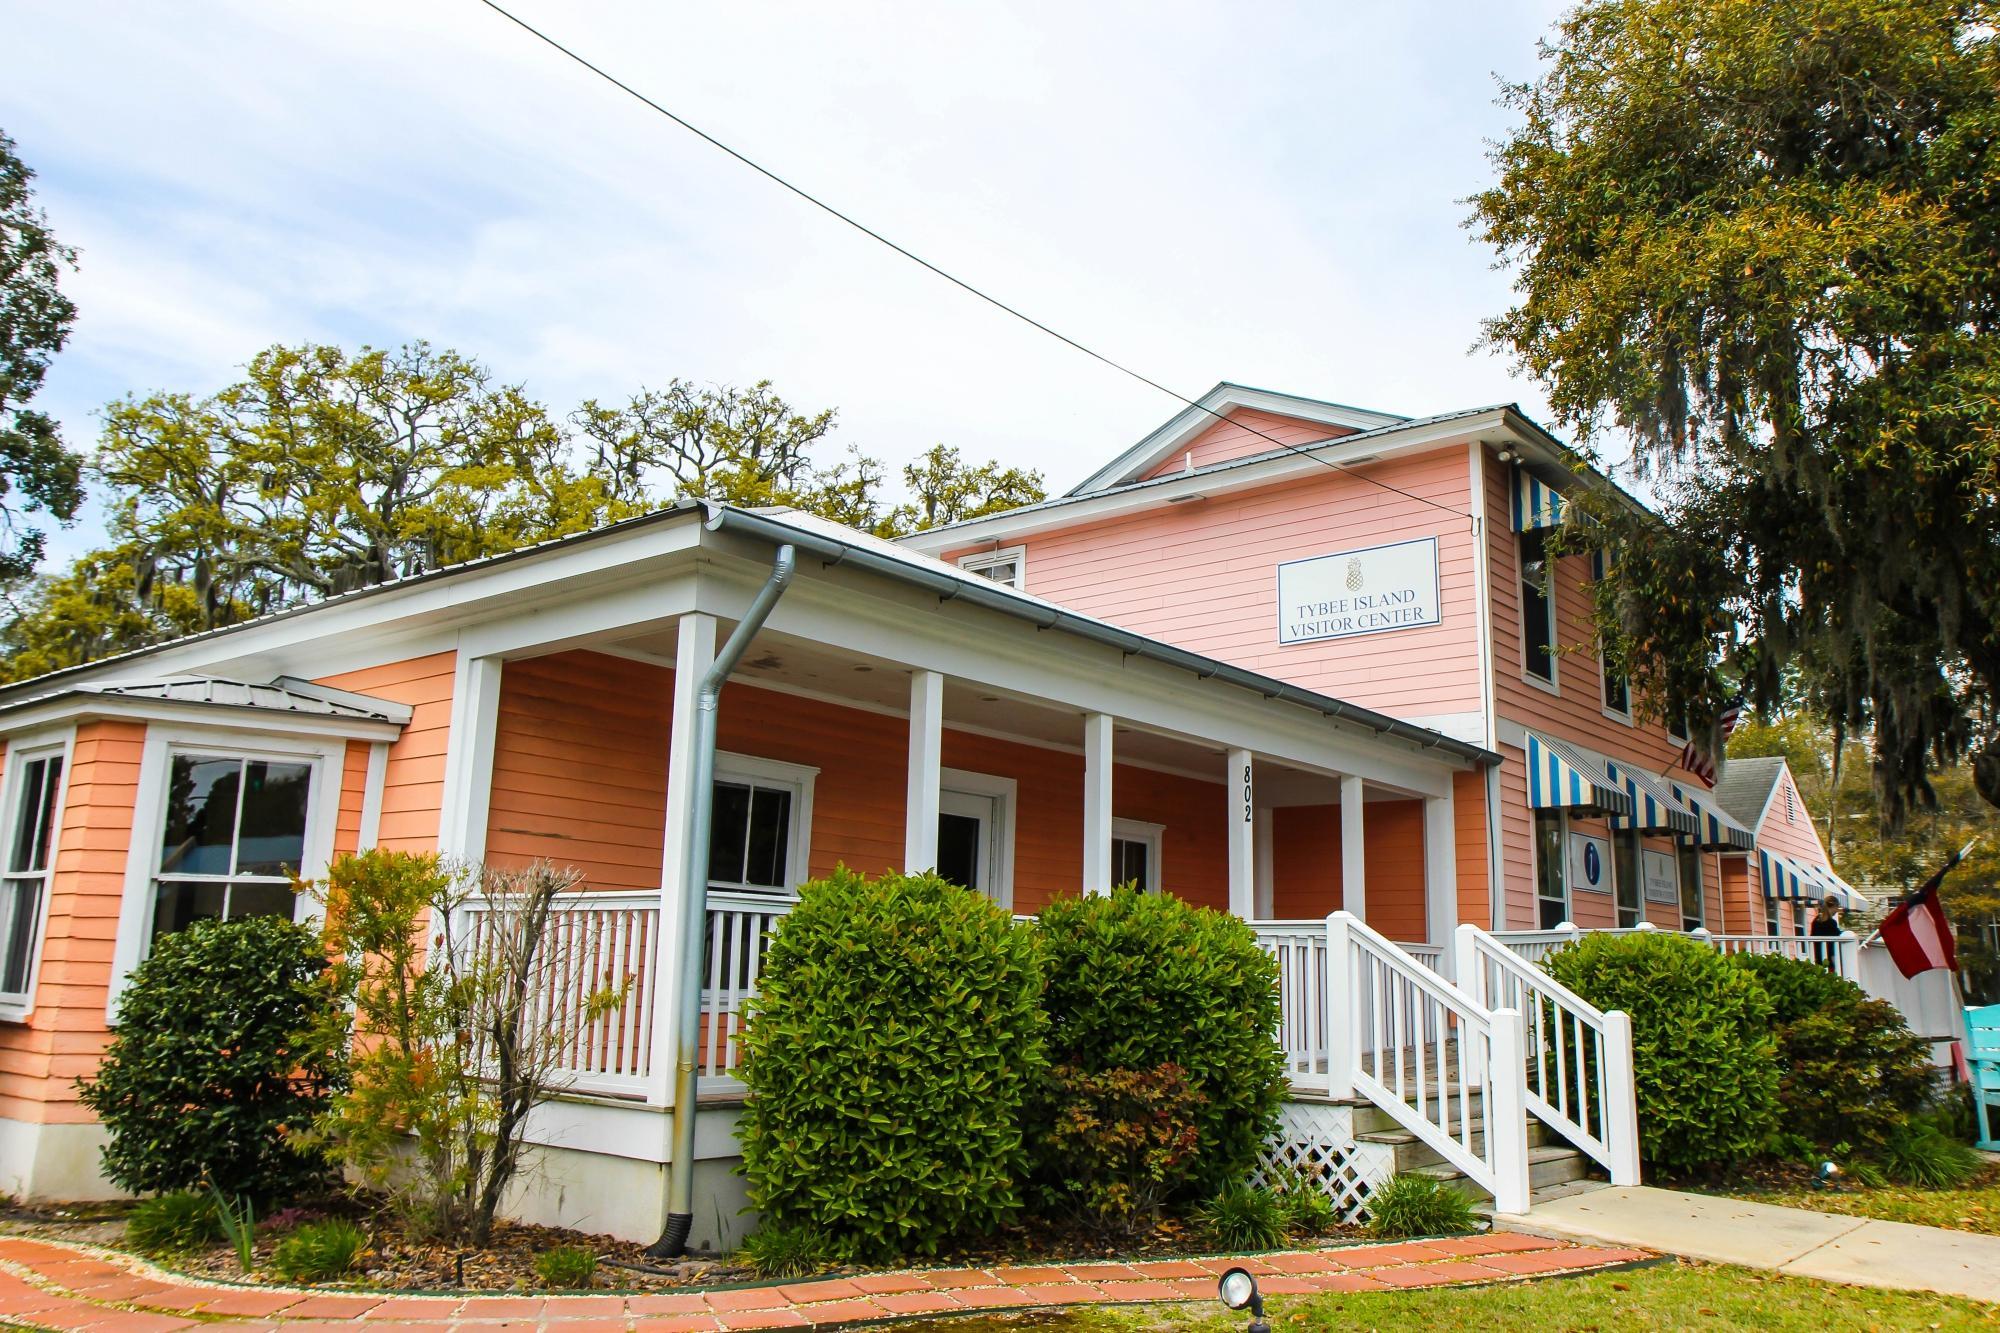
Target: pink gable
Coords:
[[1237, 438]]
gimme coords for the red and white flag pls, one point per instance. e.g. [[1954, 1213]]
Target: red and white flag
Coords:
[[1697, 760], [1918, 933]]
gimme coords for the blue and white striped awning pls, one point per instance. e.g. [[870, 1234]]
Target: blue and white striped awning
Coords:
[[1851, 898], [1563, 776], [1786, 880], [1719, 833], [1536, 504], [1654, 809]]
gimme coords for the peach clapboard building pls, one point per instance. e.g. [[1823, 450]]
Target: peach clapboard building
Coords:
[[1340, 702]]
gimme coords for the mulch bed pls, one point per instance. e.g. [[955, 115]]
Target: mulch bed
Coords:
[[399, 1261]]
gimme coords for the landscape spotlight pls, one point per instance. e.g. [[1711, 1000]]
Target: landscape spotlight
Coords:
[[1238, 1291]]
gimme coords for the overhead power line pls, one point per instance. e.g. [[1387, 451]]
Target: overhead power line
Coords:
[[949, 277]]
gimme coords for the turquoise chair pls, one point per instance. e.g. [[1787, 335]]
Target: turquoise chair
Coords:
[[1983, 1026]]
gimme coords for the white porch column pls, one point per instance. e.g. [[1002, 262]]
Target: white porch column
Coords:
[[693, 655], [1440, 869], [1097, 762], [468, 761], [1353, 850], [920, 807], [1264, 834], [1242, 792]]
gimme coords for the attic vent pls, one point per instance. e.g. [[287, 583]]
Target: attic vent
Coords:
[[1365, 458], [1183, 499]]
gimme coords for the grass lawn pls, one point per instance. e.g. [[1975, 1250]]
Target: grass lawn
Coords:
[[1668, 1295], [1974, 1207]]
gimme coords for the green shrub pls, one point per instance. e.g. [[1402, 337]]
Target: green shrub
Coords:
[[1919, 1153], [1306, 1208], [1705, 1062], [1414, 1204], [893, 1045], [778, 1250], [173, 1222], [1119, 1143], [1138, 980], [210, 1078], [566, 1266], [1244, 1217], [1796, 988], [319, 1251]]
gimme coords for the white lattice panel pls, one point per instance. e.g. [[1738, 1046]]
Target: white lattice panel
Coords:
[[1315, 1142]]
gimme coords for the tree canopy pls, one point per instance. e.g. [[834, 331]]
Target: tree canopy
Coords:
[[38, 473], [321, 471], [1758, 242]]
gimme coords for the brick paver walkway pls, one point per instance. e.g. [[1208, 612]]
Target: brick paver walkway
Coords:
[[48, 1285]]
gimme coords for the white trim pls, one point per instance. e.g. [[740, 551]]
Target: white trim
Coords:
[[467, 792], [70, 709], [1353, 848], [980, 562], [1240, 809], [1099, 765], [1153, 836], [694, 653], [1265, 836], [372, 788], [762, 772], [1305, 461], [328, 759], [1191, 422], [925, 763], [1440, 869], [21, 750], [1004, 793]]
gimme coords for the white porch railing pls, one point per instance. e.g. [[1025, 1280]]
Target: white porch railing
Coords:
[[1299, 948], [739, 930], [1416, 1045], [597, 943], [1841, 951], [1579, 1069]]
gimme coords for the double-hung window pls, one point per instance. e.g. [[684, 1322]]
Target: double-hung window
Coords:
[[1538, 607], [1006, 566], [1135, 854], [30, 847], [1693, 912], [1630, 894], [1551, 879], [232, 839]]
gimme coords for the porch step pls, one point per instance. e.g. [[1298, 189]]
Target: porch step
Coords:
[[1549, 1166], [1412, 1153]]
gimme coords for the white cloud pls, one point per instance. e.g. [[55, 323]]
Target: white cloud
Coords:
[[1266, 194]]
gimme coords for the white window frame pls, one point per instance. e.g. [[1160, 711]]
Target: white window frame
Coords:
[[1003, 791], [1153, 836], [1604, 679], [798, 779], [1562, 867], [1550, 567], [326, 755], [22, 750], [1701, 885], [984, 560]]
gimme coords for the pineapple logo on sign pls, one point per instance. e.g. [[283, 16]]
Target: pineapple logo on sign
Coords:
[[1354, 579]]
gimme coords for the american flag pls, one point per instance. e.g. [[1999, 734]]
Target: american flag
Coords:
[[1695, 759]]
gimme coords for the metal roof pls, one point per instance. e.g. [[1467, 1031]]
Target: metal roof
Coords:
[[284, 695]]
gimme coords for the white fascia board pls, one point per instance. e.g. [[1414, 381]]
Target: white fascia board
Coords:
[[384, 624], [85, 706], [909, 626], [1220, 481], [1218, 402]]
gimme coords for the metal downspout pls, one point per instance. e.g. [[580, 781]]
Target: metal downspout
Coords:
[[694, 906]]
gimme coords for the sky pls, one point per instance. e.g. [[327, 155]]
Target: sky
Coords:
[[1270, 194]]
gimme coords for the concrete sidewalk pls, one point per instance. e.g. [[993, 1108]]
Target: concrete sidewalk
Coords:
[[1786, 1240]]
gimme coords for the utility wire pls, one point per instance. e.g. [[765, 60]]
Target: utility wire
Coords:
[[955, 281]]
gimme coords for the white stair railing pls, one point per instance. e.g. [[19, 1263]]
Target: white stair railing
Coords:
[[1299, 950], [1417, 1046], [1578, 1063]]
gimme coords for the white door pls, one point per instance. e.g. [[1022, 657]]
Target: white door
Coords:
[[968, 837]]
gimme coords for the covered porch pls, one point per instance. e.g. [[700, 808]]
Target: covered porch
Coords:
[[919, 739]]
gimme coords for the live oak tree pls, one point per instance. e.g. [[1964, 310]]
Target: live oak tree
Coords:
[[38, 473], [1759, 242], [323, 471]]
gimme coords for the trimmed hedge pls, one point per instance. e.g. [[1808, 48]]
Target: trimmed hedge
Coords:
[[1704, 1054], [1137, 981], [1852, 1072], [212, 1072], [891, 1050]]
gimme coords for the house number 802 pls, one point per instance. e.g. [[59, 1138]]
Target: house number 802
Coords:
[[1246, 793]]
